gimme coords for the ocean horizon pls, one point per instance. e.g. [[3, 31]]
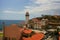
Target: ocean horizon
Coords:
[[9, 22]]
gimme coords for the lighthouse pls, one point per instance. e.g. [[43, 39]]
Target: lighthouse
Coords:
[[27, 19]]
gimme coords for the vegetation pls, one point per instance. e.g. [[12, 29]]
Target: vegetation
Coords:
[[51, 18], [1, 34]]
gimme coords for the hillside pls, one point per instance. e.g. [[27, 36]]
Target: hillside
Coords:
[[53, 20]]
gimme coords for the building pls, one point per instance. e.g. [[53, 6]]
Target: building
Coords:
[[27, 19], [37, 23], [12, 32]]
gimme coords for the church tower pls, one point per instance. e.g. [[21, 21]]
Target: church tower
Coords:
[[27, 18]]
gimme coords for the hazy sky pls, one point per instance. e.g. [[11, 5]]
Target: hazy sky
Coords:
[[16, 9]]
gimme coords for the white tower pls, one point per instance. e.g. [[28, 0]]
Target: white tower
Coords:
[[27, 19]]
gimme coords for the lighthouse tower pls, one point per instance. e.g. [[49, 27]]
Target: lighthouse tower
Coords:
[[27, 19]]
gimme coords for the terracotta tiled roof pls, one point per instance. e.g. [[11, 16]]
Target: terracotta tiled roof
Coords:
[[28, 31], [37, 36]]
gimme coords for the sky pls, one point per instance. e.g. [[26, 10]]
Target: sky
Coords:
[[16, 9]]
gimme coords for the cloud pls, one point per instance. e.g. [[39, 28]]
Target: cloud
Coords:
[[41, 1], [43, 5], [12, 11], [43, 8], [56, 1], [37, 6], [44, 1]]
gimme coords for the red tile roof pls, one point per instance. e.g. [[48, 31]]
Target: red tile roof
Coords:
[[28, 31], [37, 36]]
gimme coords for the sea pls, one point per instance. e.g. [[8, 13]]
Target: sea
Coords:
[[9, 22]]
